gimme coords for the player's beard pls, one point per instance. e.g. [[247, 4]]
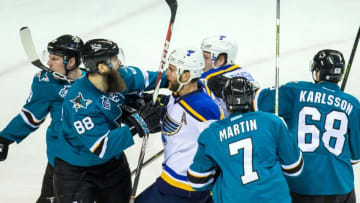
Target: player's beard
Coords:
[[174, 85], [114, 82]]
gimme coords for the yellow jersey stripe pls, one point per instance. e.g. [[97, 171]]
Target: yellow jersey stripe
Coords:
[[173, 182], [192, 111], [221, 72]]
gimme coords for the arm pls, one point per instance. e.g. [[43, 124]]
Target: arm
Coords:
[[354, 138], [289, 153], [33, 113], [265, 100], [138, 80], [203, 169]]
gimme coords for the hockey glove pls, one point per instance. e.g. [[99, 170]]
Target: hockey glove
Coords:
[[4, 147], [136, 101], [216, 84], [136, 123]]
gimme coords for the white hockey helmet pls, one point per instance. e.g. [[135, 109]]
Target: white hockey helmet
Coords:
[[220, 44], [187, 59]]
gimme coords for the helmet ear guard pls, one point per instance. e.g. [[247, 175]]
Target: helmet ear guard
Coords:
[[238, 94], [330, 64]]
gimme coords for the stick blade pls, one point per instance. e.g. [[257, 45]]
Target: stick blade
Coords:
[[28, 44]]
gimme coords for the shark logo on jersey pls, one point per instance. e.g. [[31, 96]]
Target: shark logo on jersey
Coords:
[[63, 92], [105, 103], [170, 126], [43, 76], [80, 102]]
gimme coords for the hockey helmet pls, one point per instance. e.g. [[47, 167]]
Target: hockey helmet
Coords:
[[187, 59], [330, 64], [220, 44], [67, 46], [238, 94], [97, 51]]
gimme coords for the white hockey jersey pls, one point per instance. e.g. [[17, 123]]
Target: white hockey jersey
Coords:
[[185, 119]]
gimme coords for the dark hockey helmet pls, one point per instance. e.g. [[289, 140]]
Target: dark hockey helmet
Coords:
[[98, 51], [238, 94], [67, 46], [330, 64]]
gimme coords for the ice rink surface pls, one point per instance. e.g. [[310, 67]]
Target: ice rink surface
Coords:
[[139, 27]]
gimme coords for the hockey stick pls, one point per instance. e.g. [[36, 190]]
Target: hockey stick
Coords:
[[348, 67], [173, 7], [150, 160], [277, 57], [28, 45]]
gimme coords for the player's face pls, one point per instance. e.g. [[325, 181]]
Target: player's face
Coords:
[[116, 62], [208, 61], [56, 63], [171, 75]]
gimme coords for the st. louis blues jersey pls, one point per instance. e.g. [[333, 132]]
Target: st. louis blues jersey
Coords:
[[46, 96], [228, 71], [325, 124], [91, 133], [183, 122], [246, 155]]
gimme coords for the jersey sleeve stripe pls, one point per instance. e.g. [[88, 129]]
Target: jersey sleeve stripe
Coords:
[[295, 168], [146, 78], [355, 161], [255, 102], [222, 71], [191, 111], [99, 147], [30, 119], [196, 177]]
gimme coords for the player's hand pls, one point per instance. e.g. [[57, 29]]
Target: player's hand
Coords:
[[136, 123], [4, 147]]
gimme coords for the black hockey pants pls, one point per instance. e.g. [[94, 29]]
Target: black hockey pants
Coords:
[[346, 198], [106, 183]]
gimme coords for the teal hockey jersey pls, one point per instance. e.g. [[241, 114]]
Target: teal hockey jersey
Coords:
[[244, 157], [325, 124]]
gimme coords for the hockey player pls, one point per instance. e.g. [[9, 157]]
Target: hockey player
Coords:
[[46, 96], [220, 53], [189, 111], [91, 165], [243, 157], [325, 123]]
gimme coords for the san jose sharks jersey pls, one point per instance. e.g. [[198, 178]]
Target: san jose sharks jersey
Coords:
[[92, 132], [228, 71], [325, 124], [46, 96], [244, 157], [183, 122]]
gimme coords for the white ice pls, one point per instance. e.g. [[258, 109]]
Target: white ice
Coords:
[[140, 27]]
